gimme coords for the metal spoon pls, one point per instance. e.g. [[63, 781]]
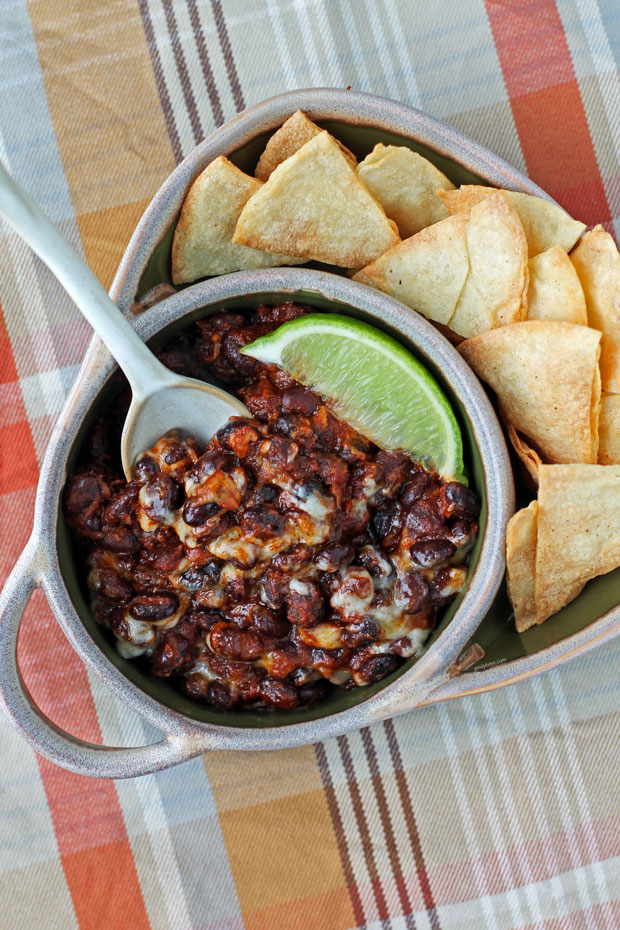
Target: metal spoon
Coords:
[[161, 400]]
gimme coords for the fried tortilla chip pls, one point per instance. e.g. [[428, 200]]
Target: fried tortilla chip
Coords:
[[202, 243], [529, 456], [554, 291], [545, 375], [609, 430], [597, 262], [521, 535], [406, 185], [469, 272], [545, 223], [314, 206], [495, 292], [578, 531], [426, 272], [288, 139]]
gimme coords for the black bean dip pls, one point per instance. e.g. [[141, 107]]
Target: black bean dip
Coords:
[[289, 556]]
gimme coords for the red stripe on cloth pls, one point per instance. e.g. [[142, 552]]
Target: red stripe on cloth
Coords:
[[547, 107], [18, 459], [86, 813], [87, 817]]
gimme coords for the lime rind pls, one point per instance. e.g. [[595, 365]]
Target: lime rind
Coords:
[[402, 406]]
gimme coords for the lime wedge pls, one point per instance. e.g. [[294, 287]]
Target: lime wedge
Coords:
[[371, 382]]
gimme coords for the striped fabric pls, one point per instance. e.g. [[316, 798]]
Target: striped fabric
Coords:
[[499, 811]]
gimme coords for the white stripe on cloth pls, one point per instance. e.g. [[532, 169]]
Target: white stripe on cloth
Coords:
[[377, 835], [531, 773], [118, 727], [381, 46], [398, 35], [466, 915], [492, 806], [562, 789], [333, 57], [473, 850], [171, 76], [498, 755], [355, 44], [281, 43], [318, 73], [576, 775], [349, 826]]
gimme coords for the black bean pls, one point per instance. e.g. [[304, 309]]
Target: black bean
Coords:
[[377, 667], [269, 623], [432, 552], [145, 468], [458, 501], [266, 494], [201, 576], [360, 634], [262, 522], [300, 400], [151, 607], [414, 591], [219, 694], [279, 693], [312, 692], [113, 586], [197, 514], [160, 496], [120, 539], [291, 559], [333, 556], [414, 488]]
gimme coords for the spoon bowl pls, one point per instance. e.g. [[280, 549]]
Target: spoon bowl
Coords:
[[193, 407], [161, 400]]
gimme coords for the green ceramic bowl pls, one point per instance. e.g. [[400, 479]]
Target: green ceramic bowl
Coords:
[[360, 121]]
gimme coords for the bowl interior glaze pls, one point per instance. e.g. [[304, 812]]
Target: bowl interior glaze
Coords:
[[496, 634], [162, 690]]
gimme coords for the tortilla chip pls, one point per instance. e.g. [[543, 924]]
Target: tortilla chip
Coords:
[[609, 430], [597, 262], [545, 375], [288, 139], [406, 185], [467, 272], [202, 243], [554, 291], [495, 292], [314, 206], [521, 564], [578, 531], [529, 457], [545, 223], [426, 272]]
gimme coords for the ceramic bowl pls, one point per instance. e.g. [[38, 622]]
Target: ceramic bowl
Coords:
[[360, 121], [191, 727]]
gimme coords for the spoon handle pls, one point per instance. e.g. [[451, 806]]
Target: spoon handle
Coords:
[[144, 372]]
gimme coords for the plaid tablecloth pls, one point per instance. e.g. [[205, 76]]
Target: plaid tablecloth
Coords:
[[499, 811]]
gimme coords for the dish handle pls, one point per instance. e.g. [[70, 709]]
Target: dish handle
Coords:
[[49, 740]]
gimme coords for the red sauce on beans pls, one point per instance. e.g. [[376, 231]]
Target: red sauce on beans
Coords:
[[289, 556]]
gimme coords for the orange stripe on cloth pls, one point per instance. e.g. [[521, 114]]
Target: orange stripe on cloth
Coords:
[[106, 114], [547, 107], [285, 863], [90, 830]]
